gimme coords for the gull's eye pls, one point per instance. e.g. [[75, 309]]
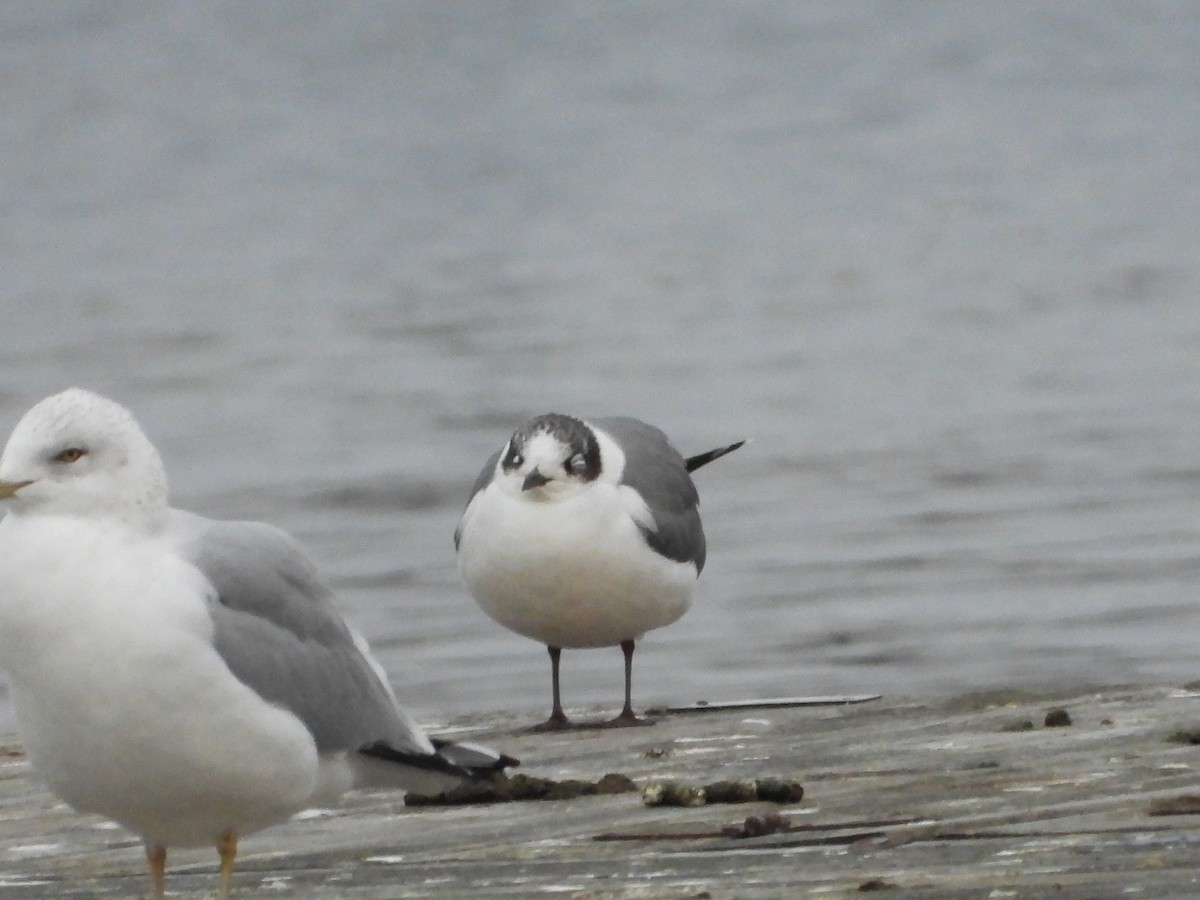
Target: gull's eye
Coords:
[[575, 464], [515, 460], [70, 455]]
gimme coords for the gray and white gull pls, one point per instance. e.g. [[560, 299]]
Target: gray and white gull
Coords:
[[190, 679], [584, 533]]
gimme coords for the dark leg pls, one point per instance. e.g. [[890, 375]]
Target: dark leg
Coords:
[[627, 716], [556, 711], [558, 719]]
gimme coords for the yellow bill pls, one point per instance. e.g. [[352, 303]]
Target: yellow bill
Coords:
[[8, 488]]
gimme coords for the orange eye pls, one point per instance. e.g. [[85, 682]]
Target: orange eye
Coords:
[[70, 455]]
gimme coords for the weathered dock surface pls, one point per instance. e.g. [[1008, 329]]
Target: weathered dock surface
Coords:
[[974, 797]]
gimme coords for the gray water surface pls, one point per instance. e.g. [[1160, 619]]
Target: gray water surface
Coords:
[[940, 262]]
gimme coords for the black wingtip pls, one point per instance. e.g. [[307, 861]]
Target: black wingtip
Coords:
[[430, 762], [480, 761], [469, 762], [694, 462]]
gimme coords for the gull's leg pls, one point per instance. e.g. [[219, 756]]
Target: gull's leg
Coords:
[[227, 850], [627, 716], [156, 856], [556, 712], [558, 719]]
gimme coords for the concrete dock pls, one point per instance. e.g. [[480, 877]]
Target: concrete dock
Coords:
[[1075, 794]]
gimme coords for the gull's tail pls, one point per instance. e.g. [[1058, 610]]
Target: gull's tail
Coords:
[[701, 459]]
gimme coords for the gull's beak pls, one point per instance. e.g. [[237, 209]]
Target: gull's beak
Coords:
[[8, 488], [534, 479]]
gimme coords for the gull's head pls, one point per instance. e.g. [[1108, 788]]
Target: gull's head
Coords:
[[549, 458], [77, 453]]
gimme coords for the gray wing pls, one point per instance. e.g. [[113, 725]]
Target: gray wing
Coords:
[[277, 629], [655, 470], [482, 481]]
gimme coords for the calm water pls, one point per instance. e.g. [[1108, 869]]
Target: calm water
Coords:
[[938, 260]]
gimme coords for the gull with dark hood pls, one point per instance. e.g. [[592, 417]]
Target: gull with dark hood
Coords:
[[584, 534]]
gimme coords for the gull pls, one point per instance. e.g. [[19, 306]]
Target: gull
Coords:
[[584, 534], [190, 679]]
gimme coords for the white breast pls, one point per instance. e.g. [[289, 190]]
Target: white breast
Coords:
[[572, 573], [124, 707]]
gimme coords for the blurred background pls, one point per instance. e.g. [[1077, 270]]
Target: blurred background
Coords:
[[939, 260]]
